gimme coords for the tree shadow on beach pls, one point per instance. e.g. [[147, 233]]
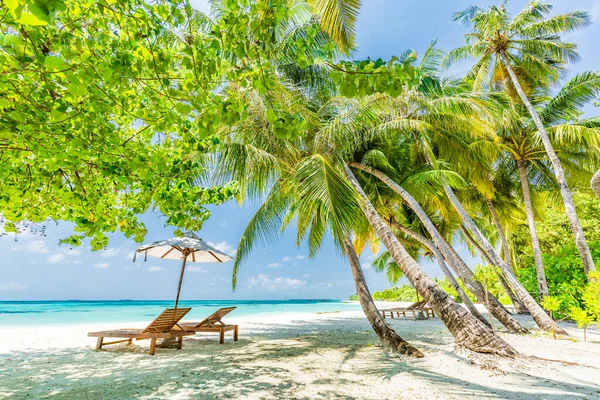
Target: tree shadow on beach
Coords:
[[328, 358]]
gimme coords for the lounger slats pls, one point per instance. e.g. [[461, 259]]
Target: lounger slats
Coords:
[[213, 323], [167, 320], [163, 327]]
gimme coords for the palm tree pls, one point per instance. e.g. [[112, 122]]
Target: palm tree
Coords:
[[308, 185], [577, 141], [392, 209], [595, 183], [467, 330], [459, 266], [420, 112], [516, 52], [435, 116]]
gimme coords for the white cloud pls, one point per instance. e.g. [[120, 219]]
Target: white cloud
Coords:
[[154, 268], [300, 257], [274, 265], [264, 281], [305, 275], [193, 268], [71, 252], [225, 247], [56, 258], [366, 266], [286, 258], [12, 286], [37, 246], [110, 252], [101, 265]]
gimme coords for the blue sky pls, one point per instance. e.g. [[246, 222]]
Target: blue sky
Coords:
[[35, 267]]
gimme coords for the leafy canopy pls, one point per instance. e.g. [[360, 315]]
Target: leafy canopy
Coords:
[[102, 101]]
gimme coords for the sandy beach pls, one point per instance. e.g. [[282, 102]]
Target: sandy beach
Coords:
[[297, 356]]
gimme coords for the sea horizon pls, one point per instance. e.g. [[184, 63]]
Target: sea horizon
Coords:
[[23, 313]]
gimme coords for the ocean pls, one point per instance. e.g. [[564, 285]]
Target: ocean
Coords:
[[86, 312]]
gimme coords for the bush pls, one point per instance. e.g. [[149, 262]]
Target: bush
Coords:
[[565, 277], [401, 293]]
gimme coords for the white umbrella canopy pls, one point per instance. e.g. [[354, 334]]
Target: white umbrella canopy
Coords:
[[188, 248]]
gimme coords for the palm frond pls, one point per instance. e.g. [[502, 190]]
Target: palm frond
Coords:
[[338, 20]]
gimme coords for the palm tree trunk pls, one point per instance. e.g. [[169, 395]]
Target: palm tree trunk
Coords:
[[501, 235], [467, 330], [390, 340], [488, 259], [580, 241], [535, 242], [519, 308], [595, 183], [542, 319], [440, 259], [453, 259]]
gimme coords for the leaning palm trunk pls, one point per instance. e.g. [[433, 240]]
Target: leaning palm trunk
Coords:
[[467, 330], [507, 258], [580, 241], [390, 340], [595, 183], [538, 314], [501, 278], [535, 242], [440, 260], [452, 258]]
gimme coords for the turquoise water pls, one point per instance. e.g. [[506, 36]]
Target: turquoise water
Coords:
[[81, 312]]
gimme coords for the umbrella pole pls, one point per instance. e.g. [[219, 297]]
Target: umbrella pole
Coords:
[[185, 255]]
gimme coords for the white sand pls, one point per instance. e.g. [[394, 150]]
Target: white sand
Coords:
[[319, 356]]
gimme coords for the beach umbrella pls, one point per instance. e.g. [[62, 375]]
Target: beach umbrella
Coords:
[[187, 248]]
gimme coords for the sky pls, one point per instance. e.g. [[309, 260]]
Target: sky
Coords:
[[37, 268]]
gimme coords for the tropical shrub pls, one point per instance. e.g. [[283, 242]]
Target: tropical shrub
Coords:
[[401, 293], [565, 276]]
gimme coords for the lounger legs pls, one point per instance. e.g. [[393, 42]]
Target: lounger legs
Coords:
[[235, 334], [179, 342], [152, 346], [99, 343], [222, 336]]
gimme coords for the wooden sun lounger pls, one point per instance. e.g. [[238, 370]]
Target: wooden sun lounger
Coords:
[[213, 323], [163, 327], [413, 309]]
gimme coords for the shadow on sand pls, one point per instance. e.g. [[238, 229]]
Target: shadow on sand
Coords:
[[308, 359]]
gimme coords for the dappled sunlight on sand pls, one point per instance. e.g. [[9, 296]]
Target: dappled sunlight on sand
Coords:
[[325, 357]]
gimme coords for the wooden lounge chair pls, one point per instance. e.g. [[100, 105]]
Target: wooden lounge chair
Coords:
[[163, 327], [213, 323], [413, 310]]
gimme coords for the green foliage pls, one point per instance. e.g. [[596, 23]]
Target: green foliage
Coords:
[[554, 230], [551, 303], [401, 293], [564, 274], [367, 77], [106, 107], [353, 297], [444, 283], [581, 317], [591, 296]]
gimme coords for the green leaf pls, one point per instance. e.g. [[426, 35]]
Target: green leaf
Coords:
[[183, 108], [271, 116], [77, 90], [55, 63]]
